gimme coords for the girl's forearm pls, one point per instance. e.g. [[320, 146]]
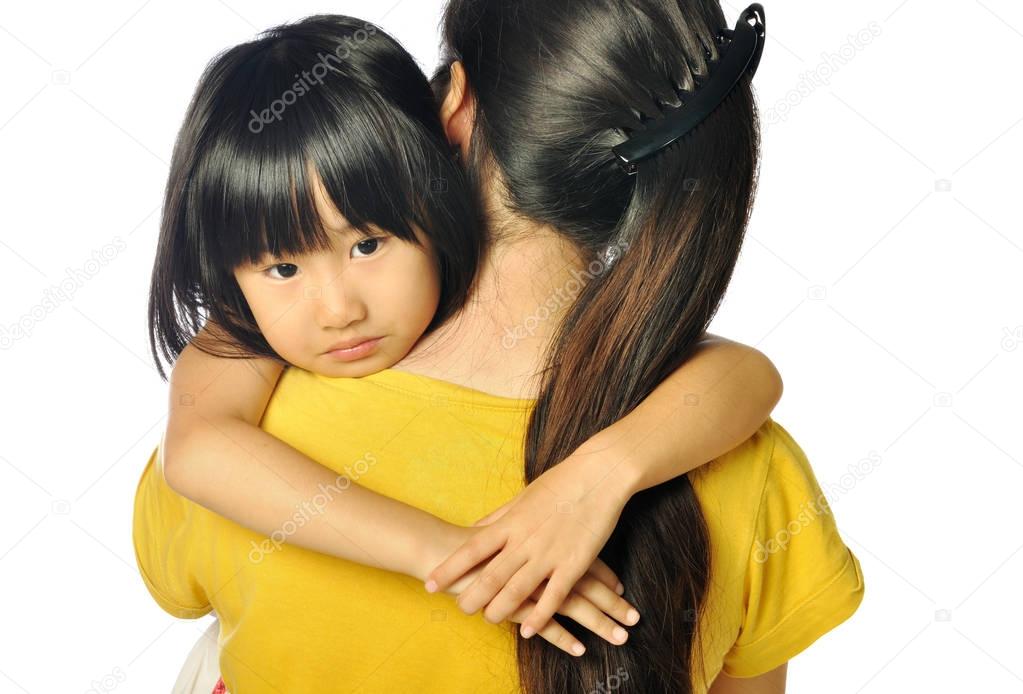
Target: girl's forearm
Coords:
[[256, 480], [711, 404], [215, 454]]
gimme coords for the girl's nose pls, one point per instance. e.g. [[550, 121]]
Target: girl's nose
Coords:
[[339, 304]]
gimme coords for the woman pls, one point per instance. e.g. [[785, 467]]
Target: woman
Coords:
[[536, 96]]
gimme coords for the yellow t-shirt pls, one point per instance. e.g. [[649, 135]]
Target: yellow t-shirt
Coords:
[[297, 621]]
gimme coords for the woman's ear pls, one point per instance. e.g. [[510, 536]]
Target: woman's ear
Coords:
[[457, 111]]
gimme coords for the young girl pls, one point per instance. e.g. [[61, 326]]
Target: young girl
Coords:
[[315, 219]]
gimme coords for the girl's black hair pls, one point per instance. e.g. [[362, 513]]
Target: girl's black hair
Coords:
[[329, 98], [558, 84]]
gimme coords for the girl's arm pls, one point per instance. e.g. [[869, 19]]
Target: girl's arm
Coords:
[[715, 401], [215, 454]]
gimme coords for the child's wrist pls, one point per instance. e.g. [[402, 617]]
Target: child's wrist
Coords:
[[439, 540], [610, 469]]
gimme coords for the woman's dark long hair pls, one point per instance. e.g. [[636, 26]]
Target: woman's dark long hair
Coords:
[[329, 98], [557, 84]]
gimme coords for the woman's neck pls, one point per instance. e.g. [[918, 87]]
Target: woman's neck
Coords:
[[498, 342]]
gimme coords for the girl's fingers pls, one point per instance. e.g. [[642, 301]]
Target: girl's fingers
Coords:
[[479, 547], [552, 632], [585, 613], [519, 588], [494, 577], [606, 600], [589, 616], [603, 573], [556, 592], [594, 595]]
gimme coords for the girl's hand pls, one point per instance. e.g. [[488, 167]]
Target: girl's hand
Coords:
[[553, 530], [592, 599]]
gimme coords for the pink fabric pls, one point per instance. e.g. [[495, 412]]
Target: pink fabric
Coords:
[[220, 688]]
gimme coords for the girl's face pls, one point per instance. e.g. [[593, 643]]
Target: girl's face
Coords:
[[310, 306]]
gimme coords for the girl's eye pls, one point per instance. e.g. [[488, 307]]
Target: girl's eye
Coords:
[[367, 246], [286, 271]]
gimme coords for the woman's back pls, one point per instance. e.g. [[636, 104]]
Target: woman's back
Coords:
[[294, 620]]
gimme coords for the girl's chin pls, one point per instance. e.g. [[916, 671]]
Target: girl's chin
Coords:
[[333, 368]]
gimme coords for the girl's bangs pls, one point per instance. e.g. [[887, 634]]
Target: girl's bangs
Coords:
[[256, 186]]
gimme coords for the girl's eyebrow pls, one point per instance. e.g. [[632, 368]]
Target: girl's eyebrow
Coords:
[[265, 259], [348, 230], [343, 228]]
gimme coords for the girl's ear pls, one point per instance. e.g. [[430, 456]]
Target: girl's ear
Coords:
[[458, 110]]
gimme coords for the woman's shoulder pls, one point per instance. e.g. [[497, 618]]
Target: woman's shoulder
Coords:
[[778, 556], [737, 478], [762, 488], [771, 457]]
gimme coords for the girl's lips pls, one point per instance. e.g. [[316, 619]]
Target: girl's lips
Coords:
[[357, 352]]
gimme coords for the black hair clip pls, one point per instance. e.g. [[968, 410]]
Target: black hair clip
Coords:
[[745, 46]]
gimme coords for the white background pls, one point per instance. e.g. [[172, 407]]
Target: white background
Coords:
[[882, 274]]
